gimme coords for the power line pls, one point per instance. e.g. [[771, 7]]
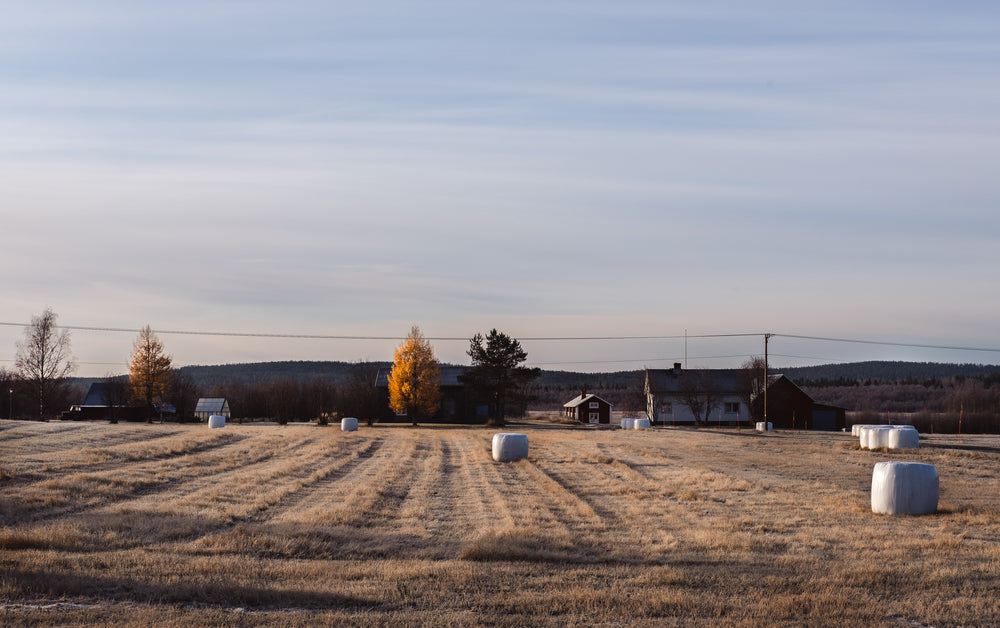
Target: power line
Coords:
[[890, 344], [646, 360], [232, 334], [361, 337]]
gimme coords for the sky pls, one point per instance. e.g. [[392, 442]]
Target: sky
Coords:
[[554, 170]]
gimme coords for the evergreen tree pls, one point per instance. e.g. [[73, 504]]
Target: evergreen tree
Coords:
[[496, 371]]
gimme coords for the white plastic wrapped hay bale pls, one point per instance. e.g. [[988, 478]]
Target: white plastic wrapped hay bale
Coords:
[[349, 424], [216, 420], [864, 436], [508, 447], [628, 424], [880, 436], [904, 488], [875, 436], [903, 437], [764, 427], [857, 427], [640, 424]]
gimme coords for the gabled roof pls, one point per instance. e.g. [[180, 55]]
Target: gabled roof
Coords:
[[673, 381], [449, 376], [775, 379], [211, 404], [580, 399], [96, 395]]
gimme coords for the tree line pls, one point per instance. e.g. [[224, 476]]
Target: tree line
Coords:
[[38, 385], [153, 388]]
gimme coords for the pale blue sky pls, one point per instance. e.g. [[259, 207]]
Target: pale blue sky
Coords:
[[546, 168]]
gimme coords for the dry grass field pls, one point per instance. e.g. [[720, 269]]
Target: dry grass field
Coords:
[[305, 525]]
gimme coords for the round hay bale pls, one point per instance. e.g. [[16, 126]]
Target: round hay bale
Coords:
[[216, 420], [875, 436], [863, 436], [508, 447], [880, 436], [904, 488], [903, 437], [640, 424], [857, 427], [628, 424], [764, 427], [349, 424]]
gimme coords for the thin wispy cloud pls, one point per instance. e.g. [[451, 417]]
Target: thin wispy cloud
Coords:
[[310, 166]]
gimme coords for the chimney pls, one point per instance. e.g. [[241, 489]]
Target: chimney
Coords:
[[583, 393], [677, 368]]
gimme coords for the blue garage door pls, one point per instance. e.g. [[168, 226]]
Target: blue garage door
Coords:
[[825, 420]]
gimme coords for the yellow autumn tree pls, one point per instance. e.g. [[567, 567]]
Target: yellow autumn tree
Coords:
[[415, 380], [150, 372]]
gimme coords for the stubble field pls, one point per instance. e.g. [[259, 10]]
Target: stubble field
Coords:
[[305, 525]]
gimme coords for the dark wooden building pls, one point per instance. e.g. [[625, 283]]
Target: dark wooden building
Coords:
[[588, 409], [789, 407], [105, 401], [458, 403]]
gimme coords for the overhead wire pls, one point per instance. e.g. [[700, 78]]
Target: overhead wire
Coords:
[[581, 338]]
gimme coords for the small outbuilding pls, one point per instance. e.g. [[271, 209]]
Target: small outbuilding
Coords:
[[207, 406], [588, 409]]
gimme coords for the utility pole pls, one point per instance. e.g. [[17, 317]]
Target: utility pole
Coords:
[[766, 338]]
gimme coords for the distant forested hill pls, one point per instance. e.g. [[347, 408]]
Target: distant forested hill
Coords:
[[814, 376], [257, 372], [881, 385], [883, 372]]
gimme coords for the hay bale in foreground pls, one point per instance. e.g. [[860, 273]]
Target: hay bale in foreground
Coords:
[[904, 488], [628, 424], [508, 447], [349, 424], [216, 420], [640, 424]]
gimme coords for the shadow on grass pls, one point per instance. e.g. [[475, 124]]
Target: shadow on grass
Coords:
[[26, 583]]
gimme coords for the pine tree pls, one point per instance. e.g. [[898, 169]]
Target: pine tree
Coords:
[[415, 380], [150, 372], [496, 371]]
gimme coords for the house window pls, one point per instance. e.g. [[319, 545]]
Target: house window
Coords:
[[594, 405], [732, 407], [448, 407], [667, 408], [595, 417]]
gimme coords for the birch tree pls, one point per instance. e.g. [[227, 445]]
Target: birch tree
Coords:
[[415, 380], [44, 360]]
